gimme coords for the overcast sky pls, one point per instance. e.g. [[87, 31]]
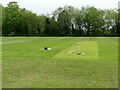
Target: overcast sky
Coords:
[[48, 6]]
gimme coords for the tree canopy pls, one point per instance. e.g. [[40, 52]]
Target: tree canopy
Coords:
[[64, 21]]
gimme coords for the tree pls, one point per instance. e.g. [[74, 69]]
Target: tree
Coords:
[[80, 22], [72, 12], [47, 26], [54, 31], [93, 21], [110, 17], [64, 22], [118, 24], [1, 19], [17, 21], [12, 18], [118, 20]]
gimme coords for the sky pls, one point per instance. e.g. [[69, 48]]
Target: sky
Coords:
[[48, 6]]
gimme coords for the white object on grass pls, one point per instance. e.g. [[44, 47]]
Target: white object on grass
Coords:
[[49, 49], [83, 53]]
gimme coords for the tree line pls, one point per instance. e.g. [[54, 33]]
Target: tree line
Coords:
[[64, 21]]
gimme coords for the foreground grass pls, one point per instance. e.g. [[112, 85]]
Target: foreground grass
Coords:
[[26, 65], [0, 62]]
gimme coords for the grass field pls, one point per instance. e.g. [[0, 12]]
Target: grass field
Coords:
[[26, 65], [0, 63]]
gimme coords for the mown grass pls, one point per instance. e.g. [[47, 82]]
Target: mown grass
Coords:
[[26, 65], [0, 62]]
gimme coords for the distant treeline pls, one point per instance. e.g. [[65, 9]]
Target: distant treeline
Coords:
[[64, 21]]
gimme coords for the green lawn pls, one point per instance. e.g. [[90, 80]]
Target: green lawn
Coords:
[[26, 65], [0, 63]]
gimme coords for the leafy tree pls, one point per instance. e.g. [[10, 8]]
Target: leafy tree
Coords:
[[110, 17], [118, 23], [12, 17], [93, 21], [80, 22], [72, 12], [47, 26], [54, 27], [57, 12], [1, 19], [64, 22], [41, 21]]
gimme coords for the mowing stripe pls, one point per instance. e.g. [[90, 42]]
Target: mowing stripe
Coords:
[[21, 41], [90, 48], [110, 47]]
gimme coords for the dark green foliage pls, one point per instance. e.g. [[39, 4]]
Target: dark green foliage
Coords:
[[21, 22], [47, 26], [118, 23], [0, 20], [66, 21]]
